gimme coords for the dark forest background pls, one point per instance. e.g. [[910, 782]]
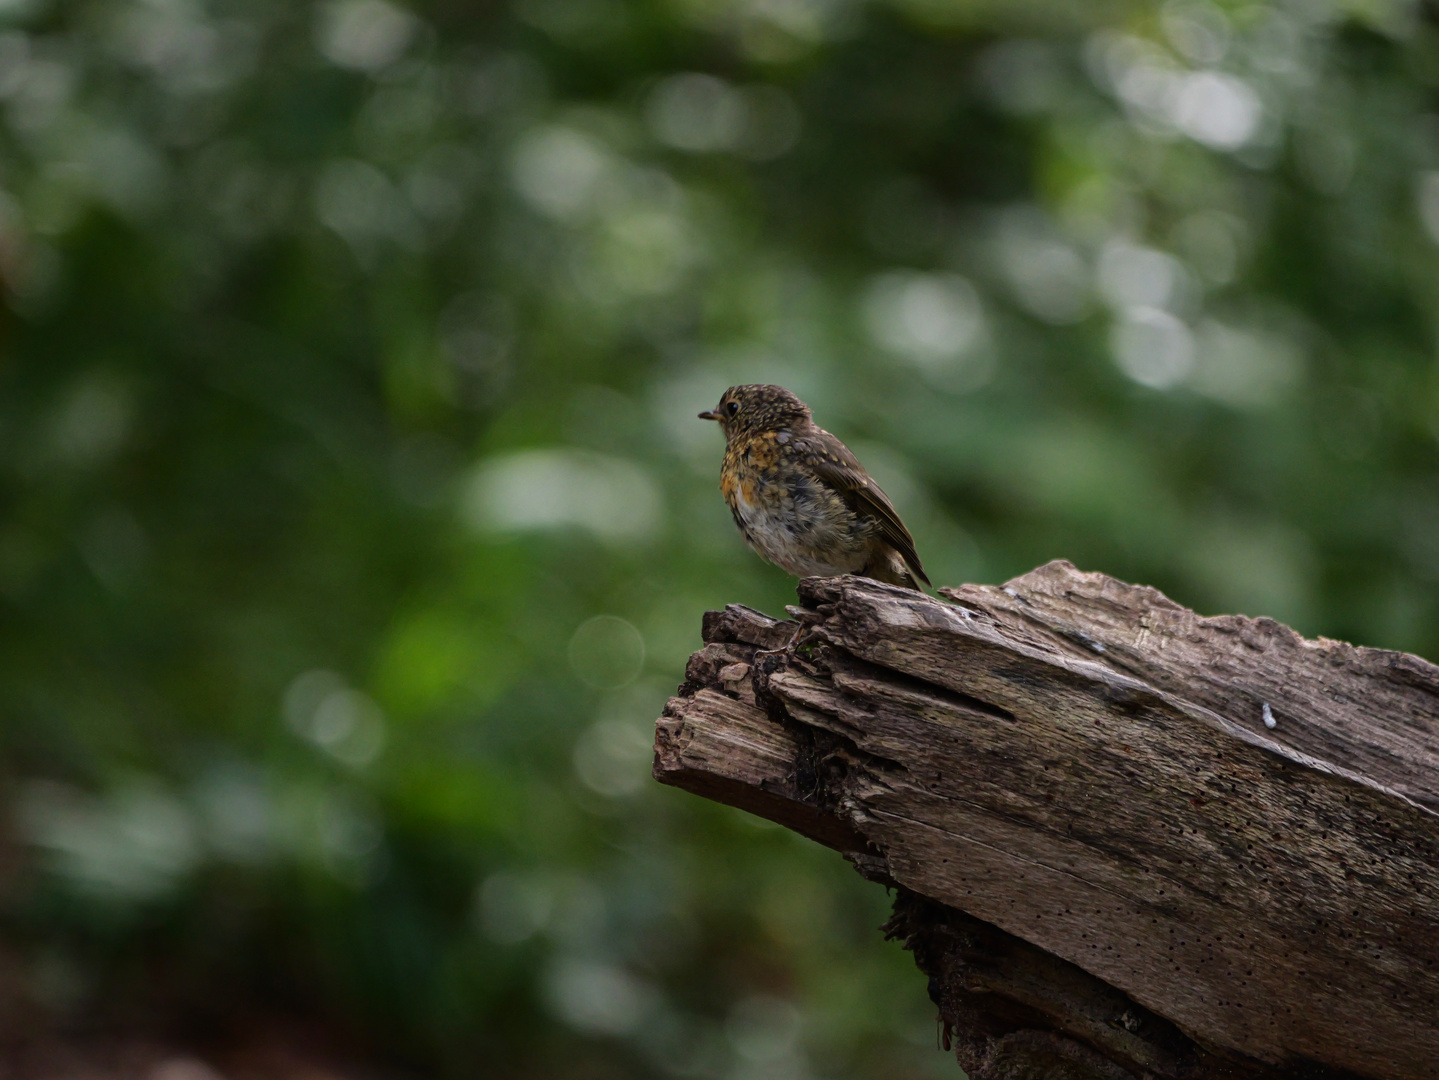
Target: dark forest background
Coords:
[[355, 521]]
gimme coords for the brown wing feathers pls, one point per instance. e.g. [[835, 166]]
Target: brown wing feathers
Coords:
[[833, 462]]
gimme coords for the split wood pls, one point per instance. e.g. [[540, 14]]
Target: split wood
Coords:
[[1127, 841]]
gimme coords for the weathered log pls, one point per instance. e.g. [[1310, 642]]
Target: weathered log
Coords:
[[1128, 841]]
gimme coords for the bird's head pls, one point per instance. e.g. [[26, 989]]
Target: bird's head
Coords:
[[748, 410]]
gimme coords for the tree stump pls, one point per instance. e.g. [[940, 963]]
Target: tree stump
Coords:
[[1126, 841]]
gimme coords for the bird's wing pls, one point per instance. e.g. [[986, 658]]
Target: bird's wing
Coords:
[[833, 463]]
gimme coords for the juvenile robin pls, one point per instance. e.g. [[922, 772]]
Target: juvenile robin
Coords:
[[801, 499]]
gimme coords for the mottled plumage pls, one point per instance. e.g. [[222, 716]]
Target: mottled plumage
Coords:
[[801, 499]]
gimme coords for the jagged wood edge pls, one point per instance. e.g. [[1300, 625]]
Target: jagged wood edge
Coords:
[[751, 628]]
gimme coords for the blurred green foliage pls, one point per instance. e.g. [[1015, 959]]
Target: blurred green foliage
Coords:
[[357, 523]]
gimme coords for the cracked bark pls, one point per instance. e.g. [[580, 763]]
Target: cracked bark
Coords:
[[1106, 861]]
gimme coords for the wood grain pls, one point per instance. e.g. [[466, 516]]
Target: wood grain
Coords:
[[1084, 765], [1375, 711]]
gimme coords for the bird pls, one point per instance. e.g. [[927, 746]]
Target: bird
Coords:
[[801, 498]]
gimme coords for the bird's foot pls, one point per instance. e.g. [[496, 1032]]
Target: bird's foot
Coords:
[[802, 635]]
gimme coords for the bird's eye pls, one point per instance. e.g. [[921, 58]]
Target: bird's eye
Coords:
[[732, 407]]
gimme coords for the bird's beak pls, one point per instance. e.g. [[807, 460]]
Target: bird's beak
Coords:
[[709, 415]]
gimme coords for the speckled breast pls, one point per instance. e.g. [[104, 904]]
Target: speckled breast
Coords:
[[787, 515]]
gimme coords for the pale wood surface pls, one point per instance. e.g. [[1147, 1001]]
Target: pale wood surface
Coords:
[[1085, 765]]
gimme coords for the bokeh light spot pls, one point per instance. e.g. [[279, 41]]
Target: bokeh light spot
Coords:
[[136, 843], [613, 756], [512, 907], [1197, 28], [696, 112], [1245, 368], [607, 652], [364, 35], [1217, 110], [930, 319], [1049, 278], [1152, 347], [343, 722], [615, 500], [557, 171], [1132, 276], [598, 997], [762, 1028]]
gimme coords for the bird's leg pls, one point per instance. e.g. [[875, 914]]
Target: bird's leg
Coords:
[[802, 634]]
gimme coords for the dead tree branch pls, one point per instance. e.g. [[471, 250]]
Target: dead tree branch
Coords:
[[1128, 841]]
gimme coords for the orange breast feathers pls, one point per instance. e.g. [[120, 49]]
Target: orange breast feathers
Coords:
[[738, 487], [729, 483], [762, 452], [742, 469], [744, 464]]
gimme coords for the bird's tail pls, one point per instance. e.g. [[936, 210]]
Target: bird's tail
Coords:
[[889, 566]]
